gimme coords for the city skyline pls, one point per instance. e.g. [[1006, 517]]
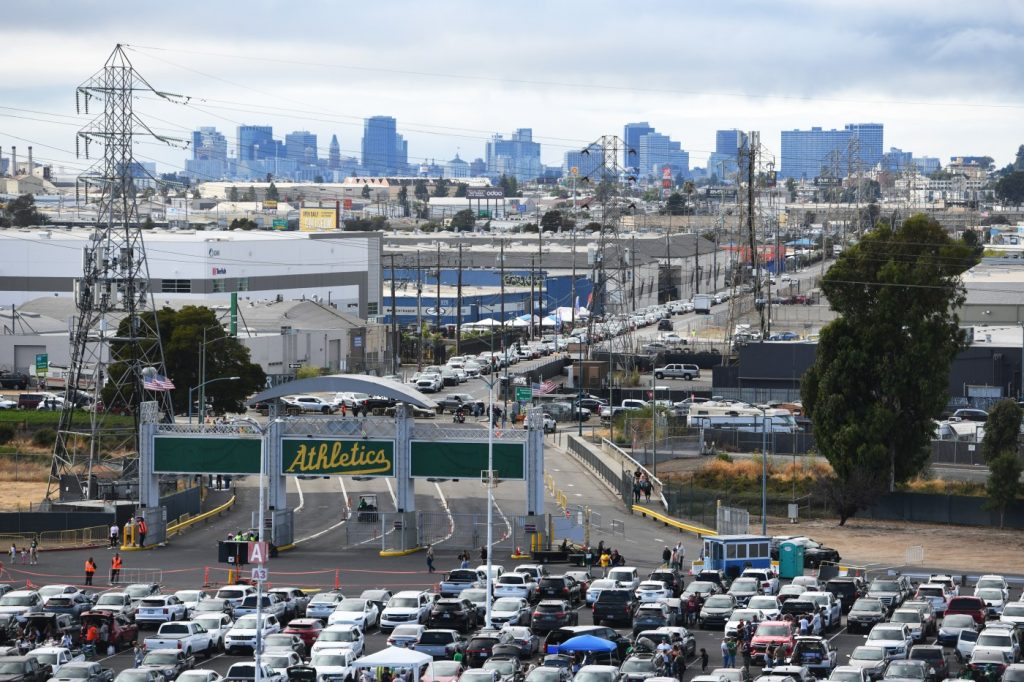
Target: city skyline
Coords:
[[935, 74]]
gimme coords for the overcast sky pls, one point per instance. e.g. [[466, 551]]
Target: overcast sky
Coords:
[[944, 77]]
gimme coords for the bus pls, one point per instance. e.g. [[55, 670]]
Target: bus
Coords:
[[741, 416]]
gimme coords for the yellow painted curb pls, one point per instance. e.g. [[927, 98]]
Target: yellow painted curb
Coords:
[[520, 556], [399, 552], [175, 528], [133, 548], [668, 521], [286, 548]]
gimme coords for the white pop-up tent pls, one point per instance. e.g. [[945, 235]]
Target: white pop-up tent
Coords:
[[395, 657]]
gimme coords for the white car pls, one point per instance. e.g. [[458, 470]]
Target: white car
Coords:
[[510, 611], [280, 661], [406, 636], [48, 591], [160, 608], [55, 656], [768, 578], [513, 584], [322, 605], [20, 602], [198, 675], [234, 595], [598, 586], [1013, 613], [895, 640], [993, 581], [653, 590], [768, 605], [307, 403], [335, 637], [407, 606], [747, 615], [361, 612], [7, 404], [217, 624], [429, 383], [242, 634], [994, 598], [191, 598], [332, 665], [999, 637]]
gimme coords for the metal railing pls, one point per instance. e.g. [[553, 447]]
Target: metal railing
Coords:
[[79, 537], [615, 480]]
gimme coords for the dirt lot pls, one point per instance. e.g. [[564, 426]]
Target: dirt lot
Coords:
[[958, 549], [19, 495]]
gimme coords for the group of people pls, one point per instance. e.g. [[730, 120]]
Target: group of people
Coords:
[[608, 557], [737, 644], [641, 486], [675, 557], [134, 528], [27, 637], [243, 536], [670, 659], [26, 555]]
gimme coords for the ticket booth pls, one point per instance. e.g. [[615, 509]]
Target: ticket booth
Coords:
[[730, 554]]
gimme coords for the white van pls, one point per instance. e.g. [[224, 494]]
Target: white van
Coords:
[[625, 577]]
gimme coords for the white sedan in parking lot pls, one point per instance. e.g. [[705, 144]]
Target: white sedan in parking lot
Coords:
[[653, 590], [596, 587]]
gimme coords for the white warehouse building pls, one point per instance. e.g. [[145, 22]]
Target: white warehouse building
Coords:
[[340, 269]]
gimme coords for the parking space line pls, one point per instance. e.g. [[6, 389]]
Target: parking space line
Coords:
[[302, 498], [841, 631]]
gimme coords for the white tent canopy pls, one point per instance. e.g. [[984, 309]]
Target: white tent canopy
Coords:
[[566, 313], [486, 322], [395, 657]]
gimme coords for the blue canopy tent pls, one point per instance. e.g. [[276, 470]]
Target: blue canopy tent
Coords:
[[586, 643]]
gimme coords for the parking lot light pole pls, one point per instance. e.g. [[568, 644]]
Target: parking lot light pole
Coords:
[[764, 471], [490, 500], [196, 388]]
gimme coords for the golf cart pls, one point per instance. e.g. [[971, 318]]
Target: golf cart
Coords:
[[366, 510]]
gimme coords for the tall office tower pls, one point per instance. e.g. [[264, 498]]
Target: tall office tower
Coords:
[[518, 156], [380, 145], [657, 151], [334, 154], [631, 134], [300, 146]]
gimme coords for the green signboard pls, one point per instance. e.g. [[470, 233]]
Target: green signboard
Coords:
[[337, 456], [206, 455], [431, 459], [279, 224], [524, 394], [42, 363]]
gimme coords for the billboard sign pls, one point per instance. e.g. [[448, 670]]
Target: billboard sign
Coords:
[[270, 204], [318, 219], [322, 456], [485, 193]]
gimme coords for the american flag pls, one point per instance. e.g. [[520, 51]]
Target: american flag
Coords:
[[547, 387], [157, 382]]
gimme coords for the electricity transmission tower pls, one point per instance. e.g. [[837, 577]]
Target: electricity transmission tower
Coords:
[[116, 352]]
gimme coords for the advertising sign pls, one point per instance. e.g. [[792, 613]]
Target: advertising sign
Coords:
[[485, 193], [280, 224], [270, 204], [337, 456], [317, 219]]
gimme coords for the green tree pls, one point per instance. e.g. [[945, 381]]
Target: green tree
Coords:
[[606, 189], [22, 212], [463, 221], [232, 193], [272, 193], [441, 188], [1003, 482], [181, 333], [552, 221], [676, 204], [1010, 189], [791, 188], [243, 224], [403, 200], [870, 394], [510, 185], [1018, 162], [1001, 429], [420, 191], [460, 189], [307, 372], [366, 192], [374, 224], [250, 194]]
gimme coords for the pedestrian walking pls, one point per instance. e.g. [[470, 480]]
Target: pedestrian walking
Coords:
[[115, 532], [703, 660], [745, 654], [725, 653], [430, 558], [604, 562], [90, 570], [679, 665], [14, 553], [142, 531], [34, 551], [137, 655], [666, 556], [483, 555], [115, 568], [636, 491], [731, 646]]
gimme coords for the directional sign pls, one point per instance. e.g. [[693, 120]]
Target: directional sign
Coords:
[[258, 552], [42, 363], [260, 573], [294, 365], [524, 394]]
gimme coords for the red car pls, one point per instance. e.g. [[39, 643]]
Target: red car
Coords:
[[771, 634], [308, 630], [971, 606], [123, 632]]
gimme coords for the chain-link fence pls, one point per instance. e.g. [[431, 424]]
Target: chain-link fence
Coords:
[[700, 505]]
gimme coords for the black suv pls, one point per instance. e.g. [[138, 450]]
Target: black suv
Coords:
[[453, 614], [15, 380], [615, 606], [479, 648], [848, 590], [551, 614], [559, 587]]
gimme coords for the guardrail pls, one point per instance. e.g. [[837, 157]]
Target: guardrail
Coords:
[[560, 497], [182, 525], [679, 525], [622, 454], [78, 537]]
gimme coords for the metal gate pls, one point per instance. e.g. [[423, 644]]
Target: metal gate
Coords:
[[362, 529], [466, 531], [732, 521], [129, 576]]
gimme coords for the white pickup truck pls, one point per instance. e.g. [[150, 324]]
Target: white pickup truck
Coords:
[[55, 656], [187, 636], [246, 671]]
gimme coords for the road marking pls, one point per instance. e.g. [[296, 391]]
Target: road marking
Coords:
[[508, 525], [394, 500], [302, 498], [344, 515], [448, 511], [841, 631]]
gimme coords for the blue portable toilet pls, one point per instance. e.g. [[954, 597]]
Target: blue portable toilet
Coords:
[[791, 559]]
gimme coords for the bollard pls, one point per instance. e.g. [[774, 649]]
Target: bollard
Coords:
[[231, 576], [337, 579], [206, 576]]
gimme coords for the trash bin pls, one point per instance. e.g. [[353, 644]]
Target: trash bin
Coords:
[[791, 560]]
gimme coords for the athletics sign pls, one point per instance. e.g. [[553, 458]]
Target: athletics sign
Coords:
[[337, 456]]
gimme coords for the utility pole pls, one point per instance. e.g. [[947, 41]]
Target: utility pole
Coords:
[[632, 265], [755, 261], [501, 269], [395, 352], [540, 282], [437, 307], [458, 307], [419, 314], [532, 300]]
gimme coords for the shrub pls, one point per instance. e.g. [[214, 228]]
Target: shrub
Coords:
[[44, 438], [6, 434]]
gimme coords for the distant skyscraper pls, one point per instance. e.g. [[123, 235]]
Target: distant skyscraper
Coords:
[[518, 156], [257, 143], [631, 135], [896, 160], [456, 168], [334, 154], [657, 151], [300, 147], [808, 154], [724, 162], [381, 145], [926, 165], [477, 168], [586, 162], [209, 145]]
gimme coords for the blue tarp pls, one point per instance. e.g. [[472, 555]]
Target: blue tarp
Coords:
[[586, 643]]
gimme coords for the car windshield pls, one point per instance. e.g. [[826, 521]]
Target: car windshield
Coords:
[[138, 590], [231, 594], [338, 636], [637, 665], [463, 575], [540, 674], [505, 666], [108, 600], [996, 639], [324, 599], [187, 595], [869, 605], [406, 631], [770, 630], [403, 603], [511, 580], [885, 633], [906, 617], [277, 660], [246, 623], [9, 600], [331, 660], [278, 640], [59, 601], [473, 595], [898, 669], [476, 676], [436, 637], [926, 591], [719, 601], [884, 586], [12, 668], [352, 605], [1015, 610], [446, 668], [743, 585], [161, 657], [845, 676], [991, 594], [763, 603], [868, 653], [603, 584], [590, 676], [744, 614], [990, 582], [133, 676], [209, 622], [961, 620], [507, 604]]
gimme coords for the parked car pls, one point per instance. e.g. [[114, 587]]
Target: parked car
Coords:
[[456, 613], [160, 609], [894, 639], [361, 612], [189, 636], [550, 614], [972, 606], [334, 637], [297, 404], [865, 613], [308, 629], [677, 371], [871, 659], [24, 669], [441, 643], [934, 657], [615, 606], [168, 662]]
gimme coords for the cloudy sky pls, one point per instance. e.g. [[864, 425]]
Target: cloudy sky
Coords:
[[944, 77]]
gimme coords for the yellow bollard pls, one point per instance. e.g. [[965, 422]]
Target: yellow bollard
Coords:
[[231, 576]]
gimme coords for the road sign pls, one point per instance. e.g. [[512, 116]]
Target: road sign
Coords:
[[42, 363], [257, 552], [529, 528], [524, 394], [260, 573], [294, 365]]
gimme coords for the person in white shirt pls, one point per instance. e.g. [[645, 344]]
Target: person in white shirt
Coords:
[[115, 531]]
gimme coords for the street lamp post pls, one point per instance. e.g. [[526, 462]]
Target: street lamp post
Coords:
[[490, 500], [202, 412], [764, 470]]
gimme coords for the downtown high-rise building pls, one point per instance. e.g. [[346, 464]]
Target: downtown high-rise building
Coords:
[[300, 147], [334, 154], [517, 156], [583, 163], [385, 152], [723, 163], [631, 134], [808, 154], [257, 143], [209, 155], [657, 151]]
